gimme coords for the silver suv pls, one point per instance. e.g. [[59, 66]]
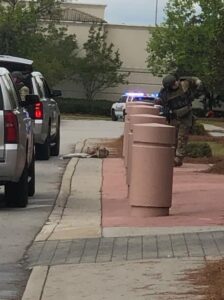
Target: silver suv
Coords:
[[17, 161], [46, 118], [46, 114]]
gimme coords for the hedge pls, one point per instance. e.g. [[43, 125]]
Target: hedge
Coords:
[[82, 106], [198, 150], [198, 129]]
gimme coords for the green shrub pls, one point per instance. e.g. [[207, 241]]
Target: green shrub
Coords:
[[198, 129], [81, 106], [198, 112], [198, 150]]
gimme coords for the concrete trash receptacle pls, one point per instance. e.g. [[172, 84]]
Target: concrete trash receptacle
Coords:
[[135, 109], [139, 119], [151, 176]]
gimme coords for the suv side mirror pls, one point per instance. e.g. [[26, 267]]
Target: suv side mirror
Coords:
[[30, 100], [56, 93]]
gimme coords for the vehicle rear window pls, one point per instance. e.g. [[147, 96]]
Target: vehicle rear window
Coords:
[[13, 66], [1, 99]]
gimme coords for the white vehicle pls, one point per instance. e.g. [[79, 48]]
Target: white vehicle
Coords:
[[118, 108]]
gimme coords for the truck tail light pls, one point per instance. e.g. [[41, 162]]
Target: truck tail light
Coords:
[[11, 127], [38, 110]]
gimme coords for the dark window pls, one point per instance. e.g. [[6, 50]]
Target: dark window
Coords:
[[1, 99], [46, 88], [123, 99], [13, 66], [145, 99]]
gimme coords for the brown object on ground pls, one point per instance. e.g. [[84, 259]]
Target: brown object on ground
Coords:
[[98, 151], [114, 146], [209, 280], [218, 168]]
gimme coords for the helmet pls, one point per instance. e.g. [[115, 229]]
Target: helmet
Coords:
[[168, 81], [17, 76]]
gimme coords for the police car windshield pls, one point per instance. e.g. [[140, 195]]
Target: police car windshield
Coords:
[[146, 99], [123, 99]]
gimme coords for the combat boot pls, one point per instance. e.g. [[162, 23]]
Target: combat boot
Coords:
[[178, 161]]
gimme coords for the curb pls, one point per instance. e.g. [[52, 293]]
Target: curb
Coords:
[[152, 231], [35, 285], [38, 276], [64, 192]]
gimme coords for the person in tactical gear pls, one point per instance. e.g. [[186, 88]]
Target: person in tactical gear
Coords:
[[176, 97], [18, 79]]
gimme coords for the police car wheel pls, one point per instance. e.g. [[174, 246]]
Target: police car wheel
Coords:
[[113, 116]]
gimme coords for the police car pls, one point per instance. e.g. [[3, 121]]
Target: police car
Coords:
[[118, 108]]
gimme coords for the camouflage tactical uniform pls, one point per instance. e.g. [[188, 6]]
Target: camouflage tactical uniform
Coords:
[[177, 104], [24, 90], [19, 82]]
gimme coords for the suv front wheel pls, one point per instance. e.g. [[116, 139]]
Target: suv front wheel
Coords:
[[31, 177], [55, 149], [43, 150]]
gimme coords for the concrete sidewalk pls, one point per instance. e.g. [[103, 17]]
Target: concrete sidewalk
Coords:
[[82, 253]]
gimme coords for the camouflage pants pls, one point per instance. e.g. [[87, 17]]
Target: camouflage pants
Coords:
[[183, 127]]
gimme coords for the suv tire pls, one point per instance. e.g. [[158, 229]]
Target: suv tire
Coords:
[[43, 150], [56, 148], [16, 193], [31, 175]]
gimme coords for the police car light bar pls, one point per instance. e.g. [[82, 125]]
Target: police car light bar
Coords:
[[135, 94], [155, 95]]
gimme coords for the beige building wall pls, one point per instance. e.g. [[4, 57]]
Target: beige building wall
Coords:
[[81, 30], [131, 41]]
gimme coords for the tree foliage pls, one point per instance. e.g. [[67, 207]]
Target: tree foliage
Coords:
[[30, 29], [191, 40], [99, 67], [54, 53]]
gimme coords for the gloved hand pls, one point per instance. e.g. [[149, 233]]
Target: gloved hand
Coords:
[[182, 112]]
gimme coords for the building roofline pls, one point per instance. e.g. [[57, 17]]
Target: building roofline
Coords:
[[76, 15], [84, 4], [129, 25]]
